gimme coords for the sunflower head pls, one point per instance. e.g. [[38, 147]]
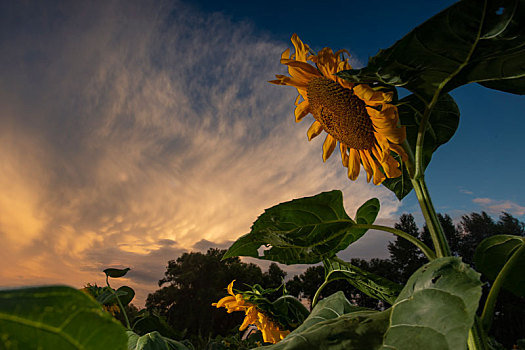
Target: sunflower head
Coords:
[[362, 120], [270, 330]]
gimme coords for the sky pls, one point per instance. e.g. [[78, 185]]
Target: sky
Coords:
[[134, 131]]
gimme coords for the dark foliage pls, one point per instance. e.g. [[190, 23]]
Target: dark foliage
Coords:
[[194, 281]]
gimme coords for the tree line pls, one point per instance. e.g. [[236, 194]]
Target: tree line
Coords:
[[195, 280]]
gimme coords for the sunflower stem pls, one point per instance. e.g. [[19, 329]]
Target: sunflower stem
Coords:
[[429, 213], [425, 202]]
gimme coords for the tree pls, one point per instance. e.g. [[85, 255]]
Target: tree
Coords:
[[406, 258], [192, 283]]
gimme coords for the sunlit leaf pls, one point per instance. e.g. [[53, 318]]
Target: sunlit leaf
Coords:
[[116, 273], [335, 324], [368, 283], [494, 252], [302, 231], [471, 41], [442, 124], [436, 308], [56, 317]]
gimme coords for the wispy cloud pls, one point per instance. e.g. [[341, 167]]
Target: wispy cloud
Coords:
[[497, 206], [131, 132]]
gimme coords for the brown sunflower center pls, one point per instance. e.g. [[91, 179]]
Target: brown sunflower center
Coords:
[[342, 114]]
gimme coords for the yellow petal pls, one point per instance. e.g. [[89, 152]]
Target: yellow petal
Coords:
[[327, 62], [328, 146], [301, 110], [354, 164], [301, 49], [223, 301], [391, 167], [299, 82], [230, 288], [371, 97], [315, 129], [399, 150], [379, 177], [344, 155], [366, 164], [285, 54]]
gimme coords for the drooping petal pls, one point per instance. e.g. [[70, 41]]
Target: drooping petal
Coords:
[[298, 81], [315, 129], [384, 146], [354, 164], [301, 110], [230, 288], [344, 156], [379, 177], [391, 167], [399, 150], [328, 146], [300, 67], [223, 301], [366, 164], [371, 97]]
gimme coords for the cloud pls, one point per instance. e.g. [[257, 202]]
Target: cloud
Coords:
[[134, 131], [497, 206]]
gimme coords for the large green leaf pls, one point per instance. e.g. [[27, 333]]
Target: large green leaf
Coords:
[[442, 124], [436, 308], [368, 283], [471, 41], [303, 231], [335, 324], [56, 317], [494, 252], [153, 341]]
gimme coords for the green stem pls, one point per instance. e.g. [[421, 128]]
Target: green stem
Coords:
[[490, 303], [417, 178], [429, 213], [422, 246], [318, 293], [477, 338], [119, 303]]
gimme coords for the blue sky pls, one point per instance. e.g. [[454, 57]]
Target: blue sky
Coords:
[[133, 131]]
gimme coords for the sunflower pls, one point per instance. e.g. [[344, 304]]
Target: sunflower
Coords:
[[359, 117], [235, 302]]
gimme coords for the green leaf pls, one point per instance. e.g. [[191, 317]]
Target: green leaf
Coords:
[[150, 322], [436, 308], [493, 253], [56, 317], [116, 273], [366, 214], [302, 231], [442, 124], [471, 41], [125, 294], [153, 341], [368, 283], [335, 324]]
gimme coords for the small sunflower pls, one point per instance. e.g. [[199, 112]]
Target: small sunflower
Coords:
[[360, 118], [235, 302]]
